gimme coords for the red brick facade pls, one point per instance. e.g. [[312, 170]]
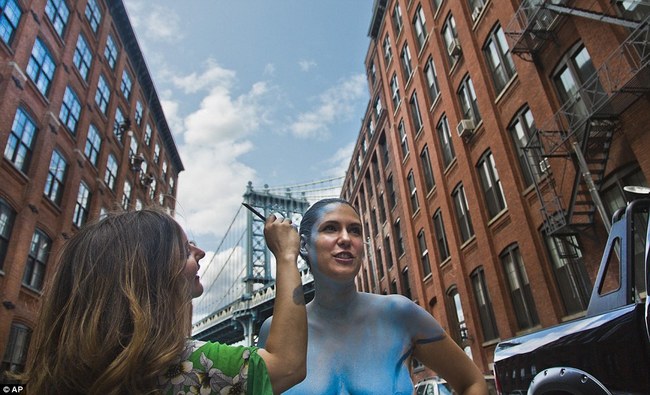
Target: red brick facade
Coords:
[[487, 263], [22, 188]]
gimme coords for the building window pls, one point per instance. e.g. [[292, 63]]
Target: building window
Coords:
[[111, 172], [7, 216], [520, 293], [389, 252], [164, 169], [21, 140], [41, 67], [476, 6], [462, 213], [133, 146], [373, 221], [126, 84], [444, 135], [394, 88], [399, 238], [93, 144], [171, 186], [152, 190], [458, 326], [415, 205], [81, 209], [383, 149], [406, 283], [499, 59], [397, 19], [403, 139], [110, 52], [382, 207], [372, 72], [57, 11], [441, 236], [147, 135], [138, 112], [55, 178], [93, 14], [70, 110], [138, 205], [10, 14], [436, 4], [432, 80], [415, 113], [378, 109], [405, 59], [16, 351], [450, 36], [420, 26], [126, 195], [425, 160], [120, 126], [380, 264], [390, 187], [484, 304], [468, 100], [388, 52], [424, 253], [569, 270], [575, 72], [521, 130], [103, 94], [491, 183], [83, 57], [39, 251]]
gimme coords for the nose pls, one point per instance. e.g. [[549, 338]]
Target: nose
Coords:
[[344, 237], [198, 253]]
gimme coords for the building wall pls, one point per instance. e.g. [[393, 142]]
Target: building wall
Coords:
[[22, 190], [520, 223]]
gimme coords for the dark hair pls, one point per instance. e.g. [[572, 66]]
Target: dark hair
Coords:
[[313, 213]]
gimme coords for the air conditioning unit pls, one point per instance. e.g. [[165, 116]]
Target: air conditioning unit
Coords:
[[454, 48], [465, 128], [476, 12], [544, 166]]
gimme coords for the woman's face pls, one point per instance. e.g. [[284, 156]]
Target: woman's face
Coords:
[[336, 245], [191, 269]]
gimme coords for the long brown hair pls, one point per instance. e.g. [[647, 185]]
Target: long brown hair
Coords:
[[117, 310]]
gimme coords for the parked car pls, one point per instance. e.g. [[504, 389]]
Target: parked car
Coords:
[[438, 386]]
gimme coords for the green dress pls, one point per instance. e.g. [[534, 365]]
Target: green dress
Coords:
[[214, 368]]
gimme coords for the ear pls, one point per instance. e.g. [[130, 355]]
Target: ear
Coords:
[[304, 251]]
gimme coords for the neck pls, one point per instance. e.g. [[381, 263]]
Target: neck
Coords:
[[334, 298]]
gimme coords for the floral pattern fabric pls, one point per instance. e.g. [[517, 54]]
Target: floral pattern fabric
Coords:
[[213, 368]]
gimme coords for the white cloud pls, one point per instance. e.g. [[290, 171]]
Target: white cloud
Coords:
[[213, 77], [158, 22], [306, 65], [340, 161], [335, 104], [269, 69]]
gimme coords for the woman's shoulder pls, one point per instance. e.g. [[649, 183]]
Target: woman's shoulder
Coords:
[[393, 302]]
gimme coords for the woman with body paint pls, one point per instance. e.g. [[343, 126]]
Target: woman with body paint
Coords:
[[362, 343]]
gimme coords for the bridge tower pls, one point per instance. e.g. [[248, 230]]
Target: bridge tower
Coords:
[[258, 271]]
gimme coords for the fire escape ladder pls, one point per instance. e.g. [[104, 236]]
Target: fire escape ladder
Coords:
[[597, 16], [595, 149]]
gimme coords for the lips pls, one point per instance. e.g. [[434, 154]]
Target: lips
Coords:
[[344, 257]]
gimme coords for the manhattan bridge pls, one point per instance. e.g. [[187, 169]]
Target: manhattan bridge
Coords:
[[239, 277]]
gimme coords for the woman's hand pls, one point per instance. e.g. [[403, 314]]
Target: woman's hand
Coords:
[[281, 238]]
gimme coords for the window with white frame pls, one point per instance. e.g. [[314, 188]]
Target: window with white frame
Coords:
[[425, 161], [111, 172], [415, 112], [403, 139], [378, 107], [55, 180], [420, 27], [126, 195], [441, 236], [39, 251], [20, 144], [450, 37], [7, 217], [394, 88], [83, 56], [499, 59], [521, 296], [93, 144], [70, 110], [462, 213], [82, 207], [10, 13], [405, 59], [388, 52], [397, 19], [432, 80], [484, 305], [521, 129], [57, 12], [424, 253], [390, 187], [413, 191], [41, 67], [444, 136], [491, 183], [103, 94], [468, 100]]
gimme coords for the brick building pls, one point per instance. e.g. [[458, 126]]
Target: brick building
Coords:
[[493, 152], [82, 131]]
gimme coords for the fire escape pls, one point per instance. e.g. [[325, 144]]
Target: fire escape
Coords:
[[578, 136]]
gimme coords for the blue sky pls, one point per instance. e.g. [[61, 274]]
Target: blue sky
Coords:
[[267, 91]]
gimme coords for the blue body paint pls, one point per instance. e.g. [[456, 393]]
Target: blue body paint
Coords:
[[359, 343]]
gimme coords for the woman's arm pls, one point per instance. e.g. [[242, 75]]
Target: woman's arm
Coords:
[[285, 350], [451, 363]]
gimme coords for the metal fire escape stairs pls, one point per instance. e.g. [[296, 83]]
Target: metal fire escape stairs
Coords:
[[580, 133]]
